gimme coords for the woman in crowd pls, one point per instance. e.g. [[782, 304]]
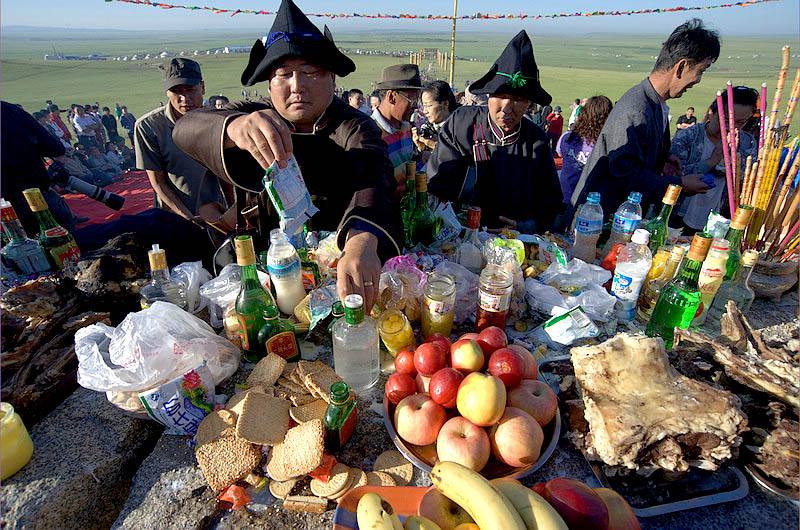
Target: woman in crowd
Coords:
[[555, 126], [699, 149], [576, 145], [438, 102]]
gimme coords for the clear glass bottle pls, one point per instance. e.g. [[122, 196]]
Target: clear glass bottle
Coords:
[[712, 274], [680, 298], [356, 346], [161, 286], [23, 254], [588, 227], [340, 417], [252, 300], [652, 288], [734, 236], [58, 244], [439, 305], [658, 226], [395, 331], [494, 297], [470, 252], [285, 273], [277, 336], [736, 289], [423, 222]]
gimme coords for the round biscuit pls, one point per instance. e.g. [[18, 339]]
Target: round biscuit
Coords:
[[281, 489], [361, 478], [380, 478], [395, 464], [339, 476], [351, 480]]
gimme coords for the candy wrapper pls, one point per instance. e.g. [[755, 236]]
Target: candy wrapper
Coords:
[[320, 302], [401, 286], [181, 404], [717, 225], [289, 195]]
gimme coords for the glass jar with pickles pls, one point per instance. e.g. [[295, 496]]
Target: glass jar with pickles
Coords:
[[438, 305], [395, 331]]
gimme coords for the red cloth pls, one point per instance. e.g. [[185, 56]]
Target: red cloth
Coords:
[[135, 187], [555, 124]]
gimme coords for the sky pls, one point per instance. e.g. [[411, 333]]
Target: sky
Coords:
[[781, 17]]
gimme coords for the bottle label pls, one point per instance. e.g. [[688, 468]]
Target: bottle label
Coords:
[[438, 307], [626, 287], [65, 255], [588, 227], [284, 344], [246, 322], [625, 225], [284, 271], [348, 427], [495, 303], [58, 231]]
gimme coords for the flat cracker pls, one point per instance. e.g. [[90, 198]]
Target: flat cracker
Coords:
[[305, 368], [312, 411], [361, 478], [339, 477], [214, 426], [226, 461], [395, 464], [280, 489], [353, 476], [305, 503], [267, 371], [320, 383], [302, 450], [288, 370], [275, 465], [234, 404], [302, 399], [292, 386], [264, 419], [380, 478]]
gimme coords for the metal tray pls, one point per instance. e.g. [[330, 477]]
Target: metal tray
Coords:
[[424, 457], [765, 482]]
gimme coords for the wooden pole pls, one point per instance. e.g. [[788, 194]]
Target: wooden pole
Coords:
[[453, 45]]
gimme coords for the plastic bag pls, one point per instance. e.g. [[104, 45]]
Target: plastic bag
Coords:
[[451, 227], [466, 289], [575, 276], [326, 254], [149, 348], [220, 292], [192, 275], [595, 301], [181, 404], [401, 286]]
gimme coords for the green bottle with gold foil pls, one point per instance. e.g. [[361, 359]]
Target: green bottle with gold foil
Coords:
[[340, 418], [252, 300], [741, 218]]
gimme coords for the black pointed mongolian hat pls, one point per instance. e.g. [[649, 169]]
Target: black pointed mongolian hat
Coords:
[[293, 35], [515, 73]]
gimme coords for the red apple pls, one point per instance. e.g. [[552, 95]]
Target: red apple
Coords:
[[491, 339], [620, 513], [439, 338], [399, 386], [441, 510], [531, 370], [577, 504], [468, 336], [536, 398], [517, 438], [444, 385], [418, 419], [481, 399], [508, 366], [539, 488], [423, 383], [429, 358], [463, 442], [404, 362], [466, 356]]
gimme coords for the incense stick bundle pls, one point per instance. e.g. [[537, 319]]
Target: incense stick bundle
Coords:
[[784, 180], [776, 99], [787, 238], [726, 155]]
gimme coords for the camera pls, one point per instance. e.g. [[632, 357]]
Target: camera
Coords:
[[427, 131], [59, 175]]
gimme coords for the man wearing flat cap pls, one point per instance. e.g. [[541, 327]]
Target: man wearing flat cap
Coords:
[[489, 156], [339, 149], [182, 185]]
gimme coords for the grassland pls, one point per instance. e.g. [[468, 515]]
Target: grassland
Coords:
[[571, 66]]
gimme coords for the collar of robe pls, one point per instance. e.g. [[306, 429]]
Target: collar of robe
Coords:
[[500, 137]]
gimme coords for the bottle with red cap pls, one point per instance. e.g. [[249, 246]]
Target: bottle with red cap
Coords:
[[470, 253]]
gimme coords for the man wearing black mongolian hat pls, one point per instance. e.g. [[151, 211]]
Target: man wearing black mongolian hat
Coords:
[[339, 149], [489, 156]]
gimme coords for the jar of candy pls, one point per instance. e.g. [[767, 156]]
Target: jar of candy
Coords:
[[395, 331], [439, 305], [494, 297]]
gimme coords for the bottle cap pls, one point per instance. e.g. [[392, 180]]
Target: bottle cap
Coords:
[[35, 200], [749, 258], [742, 217], [276, 235], [411, 169], [353, 301], [422, 182], [473, 217], [635, 197], [671, 196], [7, 212], [245, 253], [593, 198], [353, 309], [698, 250], [677, 253], [157, 258], [640, 236], [720, 245]]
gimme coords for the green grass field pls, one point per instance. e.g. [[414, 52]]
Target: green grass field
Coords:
[[571, 66]]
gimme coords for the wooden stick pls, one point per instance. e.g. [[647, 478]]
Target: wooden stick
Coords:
[[788, 237], [732, 141], [763, 110], [776, 100], [793, 96], [748, 166]]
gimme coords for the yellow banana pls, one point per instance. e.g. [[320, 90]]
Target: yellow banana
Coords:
[[371, 514], [418, 522], [483, 502], [534, 510]]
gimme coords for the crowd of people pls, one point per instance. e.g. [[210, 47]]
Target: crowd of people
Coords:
[[492, 145]]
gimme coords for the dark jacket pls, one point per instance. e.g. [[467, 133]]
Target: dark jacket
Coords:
[[629, 153], [344, 164]]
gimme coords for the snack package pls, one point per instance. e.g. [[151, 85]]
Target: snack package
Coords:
[[401, 286], [466, 289], [549, 251], [320, 302], [566, 327], [451, 227], [182, 403], [289, 195]]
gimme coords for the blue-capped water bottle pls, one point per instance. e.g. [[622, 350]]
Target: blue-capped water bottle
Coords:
[[588, 226], [626, 221]]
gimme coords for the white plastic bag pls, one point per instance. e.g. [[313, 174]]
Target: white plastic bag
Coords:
[[149, 348], [466, 289], [220, 292], [595, 301], [575, 275], [192, 275]]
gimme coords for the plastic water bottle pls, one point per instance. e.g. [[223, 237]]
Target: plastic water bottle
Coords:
[[626, 220], [588, 226], [285, 274], [633, 263]]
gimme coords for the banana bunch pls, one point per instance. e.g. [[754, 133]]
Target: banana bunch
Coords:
[[502, 504]]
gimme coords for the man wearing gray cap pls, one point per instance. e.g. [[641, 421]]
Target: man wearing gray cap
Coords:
[[182, 185]]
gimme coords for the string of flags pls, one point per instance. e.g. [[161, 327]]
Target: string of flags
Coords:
[[474, 16]]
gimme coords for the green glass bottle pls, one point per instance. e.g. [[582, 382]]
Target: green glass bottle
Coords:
[[252, 300], [409, 202], [277, 336], [423, 222], [734, 236], [340, 418], [58, 244], [680, 298], [658, 226]]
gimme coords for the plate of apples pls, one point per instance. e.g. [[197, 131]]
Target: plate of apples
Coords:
[[477, 401]]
